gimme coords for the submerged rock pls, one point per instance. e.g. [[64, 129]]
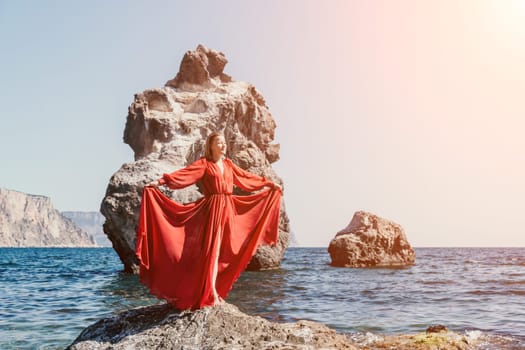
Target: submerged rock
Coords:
[[219, 327], [438, 328], [442, 340], [167, 128], [371, 241]]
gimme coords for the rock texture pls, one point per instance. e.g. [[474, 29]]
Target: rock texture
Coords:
[[442, 340], [167, 127], [31, 221], [91, 222], [225, 327], [220, 327], [371, 241]]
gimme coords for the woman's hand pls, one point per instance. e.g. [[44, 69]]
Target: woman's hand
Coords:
[[273, 186], [153, 183]]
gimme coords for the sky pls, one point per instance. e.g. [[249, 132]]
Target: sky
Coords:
[[412, 110]]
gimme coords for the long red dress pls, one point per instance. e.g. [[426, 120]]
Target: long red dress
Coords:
[[177, 244]]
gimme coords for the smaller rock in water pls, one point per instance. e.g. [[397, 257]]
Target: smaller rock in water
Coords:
[[437, 329], [371, 241]]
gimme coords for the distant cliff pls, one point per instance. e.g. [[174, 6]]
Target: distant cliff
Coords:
[[91, 222], [31, 221]]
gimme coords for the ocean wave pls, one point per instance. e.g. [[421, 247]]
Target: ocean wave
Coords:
[[497, 292], [438, 282], [500, 342], [472, 261], [513, 283]]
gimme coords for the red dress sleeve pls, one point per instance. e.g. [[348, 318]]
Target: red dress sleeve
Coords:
[[186, 176], [246, 180]]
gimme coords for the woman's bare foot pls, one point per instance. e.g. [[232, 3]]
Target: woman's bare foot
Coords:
[[217, 300]]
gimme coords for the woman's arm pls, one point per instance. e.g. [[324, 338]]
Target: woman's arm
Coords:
[[183, 177], [248, 181]]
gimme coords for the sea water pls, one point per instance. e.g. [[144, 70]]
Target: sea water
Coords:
[[49, 295]]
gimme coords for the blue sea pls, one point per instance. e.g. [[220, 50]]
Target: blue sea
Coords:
[[49, 295]]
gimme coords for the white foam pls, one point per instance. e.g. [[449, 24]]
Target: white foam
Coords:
[[473, 335]]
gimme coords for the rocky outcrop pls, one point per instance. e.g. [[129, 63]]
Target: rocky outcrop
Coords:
[[371, 241], [91, 222], [220, 327], [225, 327], [31, 221], [167, 127]]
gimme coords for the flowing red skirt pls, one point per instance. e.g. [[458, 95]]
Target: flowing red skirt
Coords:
[[177, 244]]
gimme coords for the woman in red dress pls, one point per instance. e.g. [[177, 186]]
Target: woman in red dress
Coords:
[[191, 254]]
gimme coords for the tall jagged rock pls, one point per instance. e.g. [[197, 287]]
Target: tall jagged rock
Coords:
[[28, 220], [167, 128], [371, 241]]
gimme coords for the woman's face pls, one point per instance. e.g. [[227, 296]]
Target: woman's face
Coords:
[[218, 147]]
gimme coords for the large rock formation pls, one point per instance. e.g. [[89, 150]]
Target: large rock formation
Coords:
[[167, 127], [91, 222], [371, 241], [31, 221], [221, 327]]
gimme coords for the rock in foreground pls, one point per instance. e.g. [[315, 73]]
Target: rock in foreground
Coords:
[[371, 241], [225, 327], [219, 327]]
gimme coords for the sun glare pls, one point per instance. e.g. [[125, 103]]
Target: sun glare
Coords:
[[509, 16]]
